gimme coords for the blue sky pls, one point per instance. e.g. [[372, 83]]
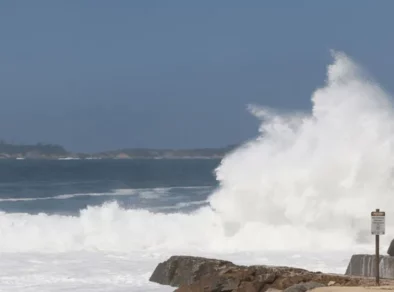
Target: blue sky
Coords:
[[96, 75]]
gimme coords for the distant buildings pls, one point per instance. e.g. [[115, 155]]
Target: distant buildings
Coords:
[[122, 156]]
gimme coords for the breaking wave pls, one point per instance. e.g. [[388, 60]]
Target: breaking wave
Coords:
[[146, 193]]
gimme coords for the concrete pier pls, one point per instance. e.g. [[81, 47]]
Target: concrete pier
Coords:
[[364, 265]]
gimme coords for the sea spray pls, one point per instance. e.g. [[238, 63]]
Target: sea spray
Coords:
[[322, 171]]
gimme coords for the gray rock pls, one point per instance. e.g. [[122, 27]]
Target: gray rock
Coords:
[[303, 287], [179, 270], [390, 251], [364, 265]]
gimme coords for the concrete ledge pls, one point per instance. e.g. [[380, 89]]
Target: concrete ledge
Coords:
[[364, 265], [354, 289]]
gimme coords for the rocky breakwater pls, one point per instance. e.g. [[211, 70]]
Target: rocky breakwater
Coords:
[[195, 274]]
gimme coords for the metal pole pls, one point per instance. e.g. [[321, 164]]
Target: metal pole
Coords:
[[377, 256]]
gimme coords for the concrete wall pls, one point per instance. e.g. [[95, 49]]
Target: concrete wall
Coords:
[[364, 265]]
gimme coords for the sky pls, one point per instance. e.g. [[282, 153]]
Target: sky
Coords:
[[96, 75]]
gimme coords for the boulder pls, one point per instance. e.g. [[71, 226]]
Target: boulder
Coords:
[[195, 274], [364, 265], [179, 270], [390, 250]]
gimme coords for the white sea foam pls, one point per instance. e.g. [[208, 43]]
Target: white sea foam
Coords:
[[146, 193], [111, 228], [103, 272], [303, 188]]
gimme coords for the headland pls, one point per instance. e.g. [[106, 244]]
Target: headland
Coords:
[[58, 152]]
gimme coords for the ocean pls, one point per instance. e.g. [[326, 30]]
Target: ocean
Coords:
[[103, 225], [299, 194]]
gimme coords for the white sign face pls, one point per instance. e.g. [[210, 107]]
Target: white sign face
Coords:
[[378, 223]]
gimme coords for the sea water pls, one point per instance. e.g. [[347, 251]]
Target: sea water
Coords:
[[299, 194]]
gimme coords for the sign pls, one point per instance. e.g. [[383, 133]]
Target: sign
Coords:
[[377, 228], [378, 222]]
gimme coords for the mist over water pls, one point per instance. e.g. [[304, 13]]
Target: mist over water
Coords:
[[308, 181]]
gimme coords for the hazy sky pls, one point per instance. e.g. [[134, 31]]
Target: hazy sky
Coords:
[[97, 75]]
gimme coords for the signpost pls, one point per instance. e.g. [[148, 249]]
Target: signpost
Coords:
[[378, 220]]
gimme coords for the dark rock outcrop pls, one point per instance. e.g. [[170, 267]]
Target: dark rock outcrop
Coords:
[[364, 265], [390, 250], [179, 270], [195, 274]]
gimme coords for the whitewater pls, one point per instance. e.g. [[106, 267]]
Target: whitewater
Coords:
[[298, 194]]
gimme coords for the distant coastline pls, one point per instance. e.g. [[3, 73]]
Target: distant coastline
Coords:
[[57, 152]]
